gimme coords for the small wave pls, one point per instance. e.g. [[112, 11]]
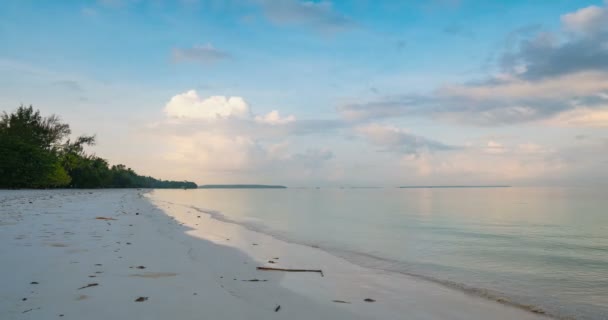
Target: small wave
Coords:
[[474, 291], [351, 256], [251, 226]]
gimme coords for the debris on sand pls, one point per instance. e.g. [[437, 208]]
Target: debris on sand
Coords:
[[277, 308], [33, 282], [369, 300], [341, 301], [141, 299], [28, 310], [58, 245], [290, 270], [138, 267], [104, 218], [89, 285], [255, 280], [270, 261]]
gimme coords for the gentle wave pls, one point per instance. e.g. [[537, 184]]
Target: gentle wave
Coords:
[[355, 258]]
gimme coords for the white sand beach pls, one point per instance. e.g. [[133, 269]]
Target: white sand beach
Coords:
[[59, 261]]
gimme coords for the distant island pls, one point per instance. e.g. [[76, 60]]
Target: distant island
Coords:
[[240, 186], [446, 187]]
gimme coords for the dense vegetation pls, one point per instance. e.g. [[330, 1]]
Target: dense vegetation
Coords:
[[36, 152]]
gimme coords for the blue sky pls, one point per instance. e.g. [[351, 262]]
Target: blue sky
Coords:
[[324, 93]]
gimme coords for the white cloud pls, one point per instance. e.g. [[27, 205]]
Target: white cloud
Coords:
[[588, 20], [212, 152], [494, 147], [219, 158], [533, 148], [581, 117], [493, 163], [274, 118], [220, 139], [190, 106]]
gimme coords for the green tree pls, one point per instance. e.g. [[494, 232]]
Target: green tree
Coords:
[[36, 152], [29, 147]]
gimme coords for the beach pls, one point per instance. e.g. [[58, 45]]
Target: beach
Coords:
[[126, 254]]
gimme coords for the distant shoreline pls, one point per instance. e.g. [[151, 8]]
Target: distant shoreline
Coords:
[[447, 187], [241, 186]]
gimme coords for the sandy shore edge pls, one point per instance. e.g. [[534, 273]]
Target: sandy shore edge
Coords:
[[62, 262]]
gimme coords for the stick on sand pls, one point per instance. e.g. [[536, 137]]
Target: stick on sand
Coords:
[[290, 270]]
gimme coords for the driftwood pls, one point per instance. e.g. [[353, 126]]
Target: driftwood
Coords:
[[255, 280], [290, 270], [105, 218], [89, 285], [341, 301], [28, 310]]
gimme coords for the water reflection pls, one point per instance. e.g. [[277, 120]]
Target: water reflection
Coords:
[[545, 245]]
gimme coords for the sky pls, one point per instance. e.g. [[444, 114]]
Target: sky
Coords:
[[322, 93]]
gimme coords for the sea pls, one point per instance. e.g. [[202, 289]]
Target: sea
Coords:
[[542, 249]]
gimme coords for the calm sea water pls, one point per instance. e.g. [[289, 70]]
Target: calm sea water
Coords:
[[545, 248]]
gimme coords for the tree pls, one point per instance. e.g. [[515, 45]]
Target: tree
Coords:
[[28, 150], [36, 152]]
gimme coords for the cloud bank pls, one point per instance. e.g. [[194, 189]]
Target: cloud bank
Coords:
[[398, 140], [542, 76]]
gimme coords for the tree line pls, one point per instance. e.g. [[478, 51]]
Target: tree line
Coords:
[[37, 152]]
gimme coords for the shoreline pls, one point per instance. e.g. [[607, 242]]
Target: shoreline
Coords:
[[338, 263], [193, 266], [469, 290]]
